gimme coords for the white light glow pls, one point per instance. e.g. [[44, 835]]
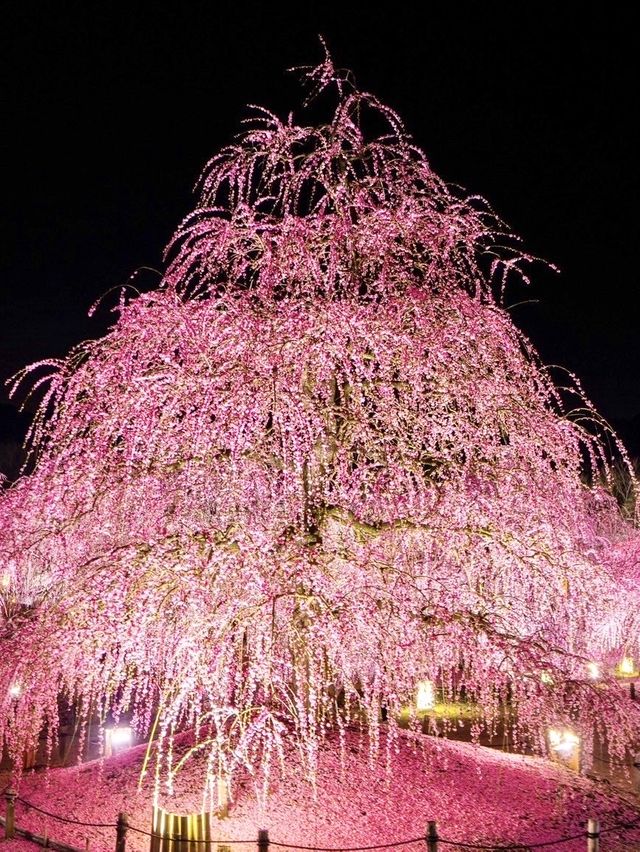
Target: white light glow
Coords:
[[627, 666], [120, 737], [563, 742], [15, 690], [594, 671], [426, 698]]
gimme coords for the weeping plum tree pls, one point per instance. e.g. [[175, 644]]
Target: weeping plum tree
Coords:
[[317, 465]]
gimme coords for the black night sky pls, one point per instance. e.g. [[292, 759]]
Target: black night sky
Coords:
[[111, 110]]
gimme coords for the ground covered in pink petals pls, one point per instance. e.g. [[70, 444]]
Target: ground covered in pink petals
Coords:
[[476, 795]]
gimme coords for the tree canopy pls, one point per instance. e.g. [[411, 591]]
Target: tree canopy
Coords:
[[317, 465]]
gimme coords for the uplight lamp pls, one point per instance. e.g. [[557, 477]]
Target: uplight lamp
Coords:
[[627, 667], [426, 697], [117, 739], [565, 747], [563, 740]]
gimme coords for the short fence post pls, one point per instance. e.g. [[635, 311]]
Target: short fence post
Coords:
[[593, 835], [635, 772], [432, 836], [223, 798], [121, 832], [263, 840], [10, 819]]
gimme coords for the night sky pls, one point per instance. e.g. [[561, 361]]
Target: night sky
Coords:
[[111, 110]]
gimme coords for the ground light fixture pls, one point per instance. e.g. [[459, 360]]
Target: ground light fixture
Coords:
[[426, 696], [627, 667], [117, 739], [564, 746], [627, 671]]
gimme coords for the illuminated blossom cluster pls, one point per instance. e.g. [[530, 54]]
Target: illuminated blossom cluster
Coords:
[[317, 465]]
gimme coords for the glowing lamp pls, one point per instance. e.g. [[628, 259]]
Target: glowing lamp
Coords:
[[626, 667], [546, 678], [117, 739], [5, 581], [426, 698], [564, 746], [594, 671], [563, 740], [15, 690]]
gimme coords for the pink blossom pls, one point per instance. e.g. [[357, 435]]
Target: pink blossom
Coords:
[[317, 465]]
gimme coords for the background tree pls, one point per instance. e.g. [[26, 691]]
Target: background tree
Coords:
[[318, 465]]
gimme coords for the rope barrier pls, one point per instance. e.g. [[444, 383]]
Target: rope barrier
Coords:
[[460, 843], [347, 848], [65, 819], [211, 840], [500, 848], [620, 826], [616, 763]]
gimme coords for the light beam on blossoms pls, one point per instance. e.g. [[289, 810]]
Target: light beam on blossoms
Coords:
[[317, 462]]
